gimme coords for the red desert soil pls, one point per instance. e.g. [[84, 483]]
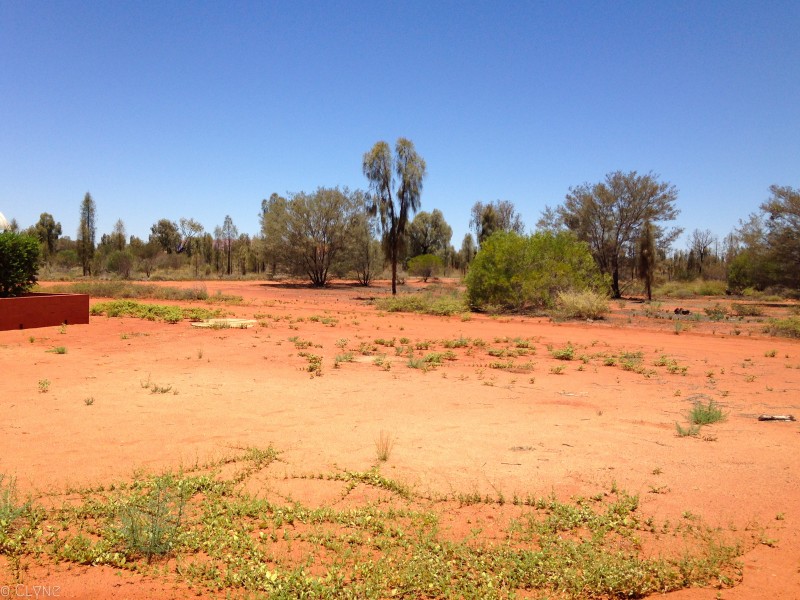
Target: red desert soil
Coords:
[[463, 427]]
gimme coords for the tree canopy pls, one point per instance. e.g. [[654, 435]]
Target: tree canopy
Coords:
[[500, 215], [766, 248], [428, 233], [47, 230], [609, 216]]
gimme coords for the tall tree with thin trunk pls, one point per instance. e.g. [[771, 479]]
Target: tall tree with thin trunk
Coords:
[[191, 230], [86, 233], [380, 168], [647, 258], [226, 236], [700, 242]]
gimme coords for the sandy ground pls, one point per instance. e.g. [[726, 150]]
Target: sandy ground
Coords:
[[463, 427]]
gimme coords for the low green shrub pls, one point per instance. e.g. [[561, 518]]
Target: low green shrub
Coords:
[[788, 327], [706, 414], [747, 310], [152, 312], [565, 353], [718, 312], [518, 273]]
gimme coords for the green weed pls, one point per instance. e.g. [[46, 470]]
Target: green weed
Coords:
[[152, 312], [565, 353]]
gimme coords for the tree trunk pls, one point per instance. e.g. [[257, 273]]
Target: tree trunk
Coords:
[[394, 271], [615, 281]]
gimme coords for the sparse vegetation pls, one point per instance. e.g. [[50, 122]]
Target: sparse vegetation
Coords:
[[687, 289], [788, 327], [314, 363], [225, 540], [436, 302], [343, 358], [125, 290], [718, 312], [152, 312], [747, 310]]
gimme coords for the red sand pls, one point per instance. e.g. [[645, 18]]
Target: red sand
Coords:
[[463, 427]]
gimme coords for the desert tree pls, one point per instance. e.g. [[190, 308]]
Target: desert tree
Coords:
[[225, 237], [700, 242], [144, 253], [363, 255], [429, 233], [380, 168], [118, 235], [500, 215], [47, 230], [319, 228], [165, 232], [87, 231], [609, 216], [467, 252], [646, 258], [274, 219], [782, 212], [190, 232]]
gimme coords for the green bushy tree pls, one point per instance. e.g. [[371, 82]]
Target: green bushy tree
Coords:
[[19, 263], [516, 273]]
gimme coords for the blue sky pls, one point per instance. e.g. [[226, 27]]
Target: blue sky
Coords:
[[201, 109]]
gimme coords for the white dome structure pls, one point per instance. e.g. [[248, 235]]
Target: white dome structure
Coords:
[[4, 224]]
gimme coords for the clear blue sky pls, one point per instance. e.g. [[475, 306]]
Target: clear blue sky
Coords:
[[201, 109]]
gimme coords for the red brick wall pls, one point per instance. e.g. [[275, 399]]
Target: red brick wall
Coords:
[[43, 310]]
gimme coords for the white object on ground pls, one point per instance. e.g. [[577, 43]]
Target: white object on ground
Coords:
[[226, 323]]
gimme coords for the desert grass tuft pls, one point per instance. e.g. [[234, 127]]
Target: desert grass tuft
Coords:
[[438, 302], [383, 445], [585, 304]]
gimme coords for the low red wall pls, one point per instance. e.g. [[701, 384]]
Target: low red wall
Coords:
[[43, 310]]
